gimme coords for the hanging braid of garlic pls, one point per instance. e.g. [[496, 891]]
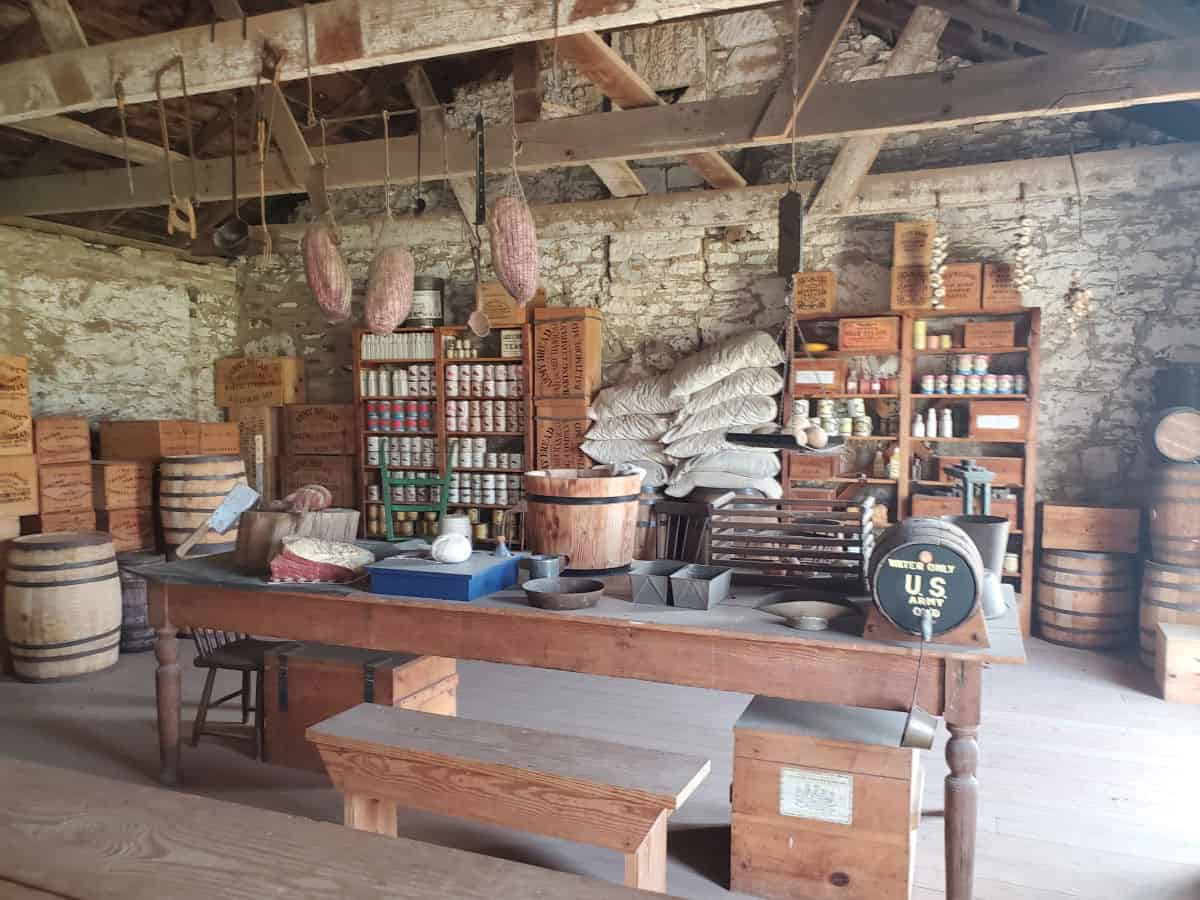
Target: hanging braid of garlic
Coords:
[[1022, 275], [937, 265]]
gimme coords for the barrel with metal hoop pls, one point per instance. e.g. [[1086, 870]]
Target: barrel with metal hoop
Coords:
[[136, 634], [1086, 599], [925, 564], [62, 605], [1170, 594], [1175, 514], [588, 515], [190, 488]]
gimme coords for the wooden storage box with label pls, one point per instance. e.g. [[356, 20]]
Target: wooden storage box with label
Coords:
[[818, 376], [16, 428], [810, 467], [258, 420], [998, 420], [218, 437], [826, 803], [1008, 470], [964, 287], [1000, 292], [500, 307], [560, 426], [61, 439], [149, 439], [335, 472], [869, 334], [18, 486], [566, 352], [71, 520], [259, 381], [324, 429], [131, 529], [813, 293], [1093, 529], [989, 335], [942, 505], [911, 288], [307, 683], [122, 484], [65, 488], [14, 380], [912, 243]]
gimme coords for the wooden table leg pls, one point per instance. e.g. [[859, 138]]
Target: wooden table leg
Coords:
[[646, 867], [371, 814], [963, 698], [168, 689]]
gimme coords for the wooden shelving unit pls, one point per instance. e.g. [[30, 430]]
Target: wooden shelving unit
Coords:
[[911, 363], [514, 440]]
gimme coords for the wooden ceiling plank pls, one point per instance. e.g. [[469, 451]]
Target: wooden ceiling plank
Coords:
[[79, 134], [1028, 30], [1051, 84], [915, 49], [1169, 17], [287, 136], [60, 28], [345, 35], [607, 69], [828, 23]]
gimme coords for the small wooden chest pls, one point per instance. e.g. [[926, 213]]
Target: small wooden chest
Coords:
[[825, 803], [566, 352], [306, 683]]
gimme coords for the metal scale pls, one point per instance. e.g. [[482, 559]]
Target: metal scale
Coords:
[[988, 532]]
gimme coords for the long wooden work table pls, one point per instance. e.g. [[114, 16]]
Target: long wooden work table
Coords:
[[732, 647]]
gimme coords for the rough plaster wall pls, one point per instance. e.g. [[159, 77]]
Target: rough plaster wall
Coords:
[[114, 332]]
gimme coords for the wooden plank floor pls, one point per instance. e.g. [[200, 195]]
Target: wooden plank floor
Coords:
[[1091, 785]]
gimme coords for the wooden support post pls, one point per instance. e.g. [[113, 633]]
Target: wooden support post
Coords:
[[168, 689], [963, 700], [646, 867], [372, 814]]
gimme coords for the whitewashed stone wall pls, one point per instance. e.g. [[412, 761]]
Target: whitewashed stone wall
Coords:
[[114, 332]]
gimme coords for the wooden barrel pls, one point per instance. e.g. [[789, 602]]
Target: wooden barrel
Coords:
[[1169, 594], [1086, 599], [190, 488], [925, 563], [590, 515], [62, 605], [1177, 434], [261, 533], [1175, 515], [136, 634]]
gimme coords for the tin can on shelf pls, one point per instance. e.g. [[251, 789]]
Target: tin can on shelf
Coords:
[[1019, 383], [1004, 384], [947, 342], [845, 425], [514, 462], [928, 384], [965, 364], [990, 384], [980, 364], [800, 408], [862, 426], [974, 384], [427, 309], [958, 384], [941, 384]]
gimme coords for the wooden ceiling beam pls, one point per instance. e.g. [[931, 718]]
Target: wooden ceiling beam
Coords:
[[60, 28], [915, 49], [79, 134], [607, 69], [1169, 17], [343, 35], [1035, 86], [433, 114]]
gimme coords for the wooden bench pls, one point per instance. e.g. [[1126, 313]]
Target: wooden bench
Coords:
[[69, 834], [595, 792]]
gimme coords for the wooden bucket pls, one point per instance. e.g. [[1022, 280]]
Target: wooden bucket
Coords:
[[260, 534], [62, 605], [1169, 594], [590, 515], [190, 488], [1177, 434], [136, 634], [1175, 515], [1086, 599]]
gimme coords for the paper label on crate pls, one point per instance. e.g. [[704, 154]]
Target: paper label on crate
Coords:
[[823, 796], [814, 377], [998, 423]]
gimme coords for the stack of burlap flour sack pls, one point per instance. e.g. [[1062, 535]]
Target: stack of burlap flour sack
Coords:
[[673, 425]]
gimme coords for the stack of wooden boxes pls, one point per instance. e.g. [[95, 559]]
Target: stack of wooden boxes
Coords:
[[18, 467], [253, 390], [566, 375], [63, 447], [320, 444], [123, 492]]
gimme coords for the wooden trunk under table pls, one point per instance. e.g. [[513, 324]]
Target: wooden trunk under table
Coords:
[[307, 683]]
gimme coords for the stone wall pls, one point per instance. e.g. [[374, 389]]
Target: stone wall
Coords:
[[114, 332]]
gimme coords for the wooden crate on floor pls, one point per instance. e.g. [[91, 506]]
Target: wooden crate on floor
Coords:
[[825, 803], [1177, 663], [306, 683], [1097, 529]]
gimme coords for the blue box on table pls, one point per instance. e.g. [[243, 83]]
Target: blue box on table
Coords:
[[482, 574]]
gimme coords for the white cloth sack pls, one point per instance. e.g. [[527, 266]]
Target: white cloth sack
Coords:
[[656, 473], [699, 444], [637, 427], [649, 395], [731, 415], [681, 487], [610, 452], [760, 381], [754, 349], [745, 462]]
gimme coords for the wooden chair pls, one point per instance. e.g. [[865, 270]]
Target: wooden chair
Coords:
[[595, 792], [235, 652]]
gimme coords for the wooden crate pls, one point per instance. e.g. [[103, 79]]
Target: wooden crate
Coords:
[[811, 466], [307, 683], [149, 439], [997, 420], [869, 333], [259, 381], [61, 439], [1099, 529], [122, 484], [912, 243], [1177, 663], [218, 437], [911, 289], [826, 803], [1000, 293], [1007, 469], [989, 335], [65, 488], [131, 529], [16, 428], [813, 293], [566, 352], [14, 379], [502, 310], [560, 426], [335, 472], [818, 376], [320, 429], [940, 505], [964, 287], [71, 520], [266, 421], [18, 486]]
